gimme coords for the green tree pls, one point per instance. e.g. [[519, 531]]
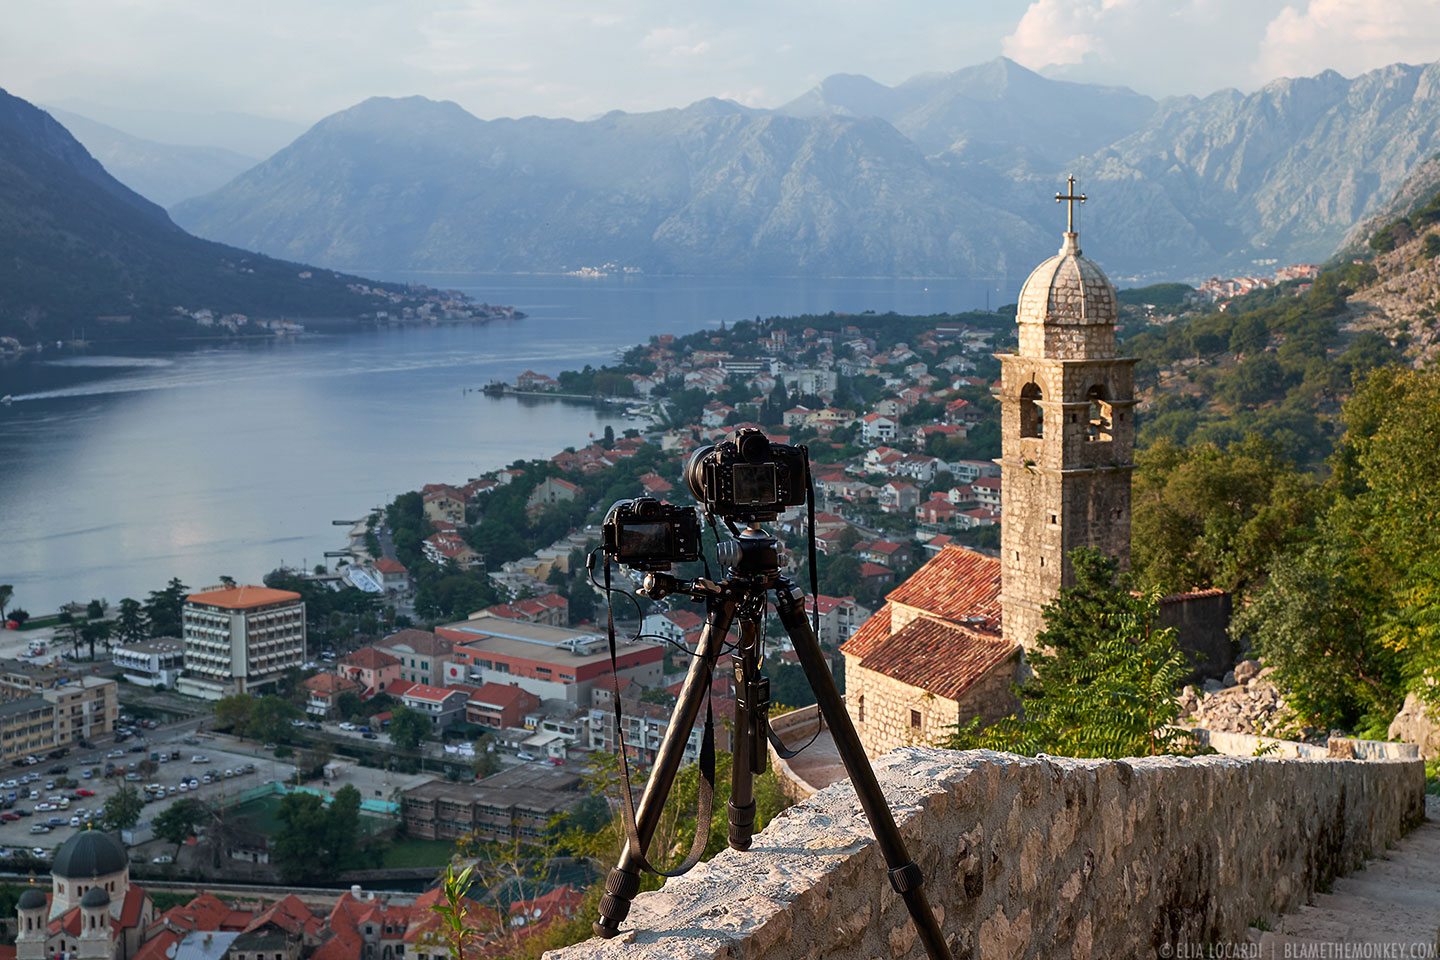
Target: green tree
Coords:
[[348, 705], [1105, 675], [96, 631], [164, 609], [608, 439], [122, 809], [270, 718], [95, 609], [299, 845], [233, 713], [1412, 628], [7, 592], [408, 727], [456, 932], [180, 821], [1207, 517], [130, 626]]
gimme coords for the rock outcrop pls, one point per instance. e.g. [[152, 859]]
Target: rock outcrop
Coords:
[[1251, 705], [1417, 723]]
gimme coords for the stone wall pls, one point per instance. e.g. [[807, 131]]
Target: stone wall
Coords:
[[1203, 622], [1034, 858], [884, 710]]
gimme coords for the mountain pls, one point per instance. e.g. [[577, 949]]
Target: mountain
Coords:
[[1418, 188], [76, 244], [162, 172], [997, 112], [412, 184], [242, 133], [944, 174]]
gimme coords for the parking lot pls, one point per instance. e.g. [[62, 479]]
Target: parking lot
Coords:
[[74, 805]]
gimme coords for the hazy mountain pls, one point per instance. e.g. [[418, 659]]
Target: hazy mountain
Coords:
[[413, 185], [162, 172], [242, 133], [75, 243], [950, 174], [1282, 173], [1420, 185], [996, 112]]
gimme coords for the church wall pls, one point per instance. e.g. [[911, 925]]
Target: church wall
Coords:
[[888, 705]]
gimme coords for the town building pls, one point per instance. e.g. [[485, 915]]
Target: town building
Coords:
[[839, 617], [27, 728], [374, 670], [515, 804], [420, 652], [550, 491], [240, 640], [553, 663], [323, 693], [443, 705], [84, 705], [499, 705], [548, 608], [391, 575], [645, 724], [151, 663], [444, 504]]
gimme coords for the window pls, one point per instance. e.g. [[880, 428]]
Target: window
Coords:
[[1032, 417], [915, 719], [1100, 413], [860, 709]]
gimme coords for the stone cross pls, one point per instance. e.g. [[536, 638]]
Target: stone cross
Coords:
[[1070, 219]]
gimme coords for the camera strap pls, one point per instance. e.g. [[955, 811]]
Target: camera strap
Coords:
[[706, 790], [810, 522]]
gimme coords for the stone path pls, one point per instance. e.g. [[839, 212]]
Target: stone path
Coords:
[[1395, 900]]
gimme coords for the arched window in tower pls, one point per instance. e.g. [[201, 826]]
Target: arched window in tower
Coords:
[[1032, 417], [1100, 425]]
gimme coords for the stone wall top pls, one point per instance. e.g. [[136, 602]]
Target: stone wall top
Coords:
[[1032, 857]]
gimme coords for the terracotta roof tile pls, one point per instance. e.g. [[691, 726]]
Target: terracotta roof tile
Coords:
[[938, 657], [421, 641], [242, 598], [368, 658], [958, 585]]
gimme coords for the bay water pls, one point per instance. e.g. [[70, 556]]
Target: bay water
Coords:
[[122, 468]]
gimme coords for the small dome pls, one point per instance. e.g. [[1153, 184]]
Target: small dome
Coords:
[[87, 855], [32, 899], [95, 897], [1067, 288]]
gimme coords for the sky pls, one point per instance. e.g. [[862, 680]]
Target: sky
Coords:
[[299, 60]]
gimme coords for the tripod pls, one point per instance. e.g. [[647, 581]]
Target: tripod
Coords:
[[754, 572]]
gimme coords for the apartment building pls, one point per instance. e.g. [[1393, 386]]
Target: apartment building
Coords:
[[151, 663], [421, 655], [518, 803], [27, 727], [240, 640], [82, 707]]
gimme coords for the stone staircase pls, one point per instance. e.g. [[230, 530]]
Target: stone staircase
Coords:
[[1394, 901]]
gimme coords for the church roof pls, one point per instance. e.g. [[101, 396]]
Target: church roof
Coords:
[[95, 897], [938, 657], [958, 585], [32, 898], [1067, 288], [87, 855]]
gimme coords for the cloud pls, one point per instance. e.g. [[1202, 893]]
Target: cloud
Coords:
[[674, 42], [1351, 36], [1057, 33]]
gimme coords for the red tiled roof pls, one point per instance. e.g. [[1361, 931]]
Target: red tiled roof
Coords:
[[497, 695], [399, 688], [938, 657], [684, 619], [328, 684], [130, 907], [423, 691], [368, 658], [958, 585], [421, 641], [1192, 595], [868, 569], [156, 948], [386, 565]]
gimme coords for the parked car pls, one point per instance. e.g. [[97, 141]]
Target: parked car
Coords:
[[38, 853], [39, 828], [199, 758], [9, 816], [297, 723], [347, 725], [369, 736], [163, 858], [524, 756], [82, 792], [114, 753], [22, 811]]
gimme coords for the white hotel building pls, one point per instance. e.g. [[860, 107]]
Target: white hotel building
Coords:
[[238, 639]]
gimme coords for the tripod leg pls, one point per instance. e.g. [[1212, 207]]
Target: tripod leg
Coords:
[[905, 876], [623, 882], [748, 750]]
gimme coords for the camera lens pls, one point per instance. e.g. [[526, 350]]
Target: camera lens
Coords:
[[753, 446], [695, 472]]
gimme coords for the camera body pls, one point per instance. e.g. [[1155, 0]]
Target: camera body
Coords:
[[646, 534], [748, 476]]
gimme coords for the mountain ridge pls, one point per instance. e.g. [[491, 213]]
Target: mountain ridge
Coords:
[[955, 178]]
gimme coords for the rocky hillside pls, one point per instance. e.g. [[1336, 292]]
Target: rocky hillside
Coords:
[[942, 175], [1404, 304]]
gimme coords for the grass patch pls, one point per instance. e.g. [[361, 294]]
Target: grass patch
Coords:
[[415, 852], [1432, 777], [260, 815]]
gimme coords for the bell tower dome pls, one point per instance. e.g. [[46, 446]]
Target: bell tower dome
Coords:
[[1067, 433]]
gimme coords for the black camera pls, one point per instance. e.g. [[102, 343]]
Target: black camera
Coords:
[[646, 534], [748, 477]]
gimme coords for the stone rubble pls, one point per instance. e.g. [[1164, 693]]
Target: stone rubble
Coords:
[[1247, 703]]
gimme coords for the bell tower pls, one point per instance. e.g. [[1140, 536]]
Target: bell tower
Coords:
[[1068, 433]]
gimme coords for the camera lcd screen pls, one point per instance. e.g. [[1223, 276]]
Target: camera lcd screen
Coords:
[[754, 483], [644, 540]]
